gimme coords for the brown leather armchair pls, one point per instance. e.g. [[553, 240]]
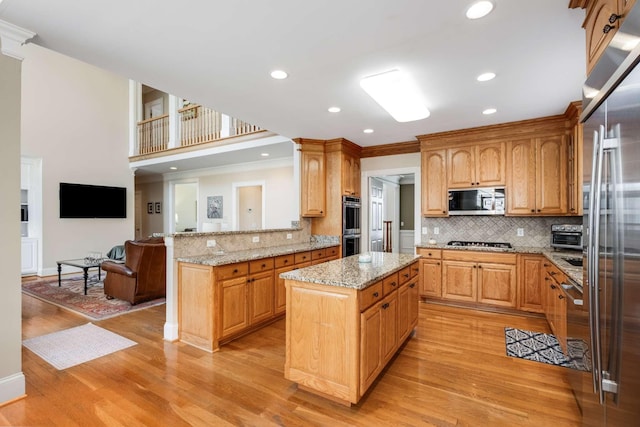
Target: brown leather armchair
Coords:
[[143, 275]]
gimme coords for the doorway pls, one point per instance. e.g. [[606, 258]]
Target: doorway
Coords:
[[153, 109], [185, 207], [249, 206]]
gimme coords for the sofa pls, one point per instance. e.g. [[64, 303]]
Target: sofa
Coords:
[[142, 276]]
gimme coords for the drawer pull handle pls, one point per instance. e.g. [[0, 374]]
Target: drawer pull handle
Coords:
[[376, 294], [561, 296], [393, 283], [413, 285], [264, 265], [553, 286], [385, 305], [235, 270], [406, 275], [286, 261]]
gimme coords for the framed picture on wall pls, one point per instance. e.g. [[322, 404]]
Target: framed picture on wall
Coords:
[[158, 207], [150, 207]]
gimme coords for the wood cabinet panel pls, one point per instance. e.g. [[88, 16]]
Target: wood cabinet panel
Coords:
[[461, 167], [434, 183], [389, 310], [302, 257], [390, 283], [196, 292], [403, 312], [413, 304], [497, 284], [597, 18], [350, 175], [459, 280], [370, 346], [370, 295], [234, 316], [529, 283], [313, 184], [431, 278], [551, 178], [261, 299], [521, 177], [490, 164], [280, 291], [284, 261]]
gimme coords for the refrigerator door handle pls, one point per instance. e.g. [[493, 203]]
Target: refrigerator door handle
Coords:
[[591, 261]]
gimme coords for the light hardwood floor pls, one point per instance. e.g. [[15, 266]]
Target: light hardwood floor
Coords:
[[452, 372]]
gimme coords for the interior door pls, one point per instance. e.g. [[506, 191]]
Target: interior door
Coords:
[[375, 215]]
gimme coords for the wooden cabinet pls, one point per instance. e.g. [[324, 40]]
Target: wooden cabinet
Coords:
[[574, 161], [530, 275], [340, 339], [196, 305], [350, 175], [261, 290], [233, 307], [555, 302], [476, 165], [536, 176], [483, 277], [313, 180], [430, 272], [435, 200]]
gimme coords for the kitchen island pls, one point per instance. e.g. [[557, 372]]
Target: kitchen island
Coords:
[[345, 321]]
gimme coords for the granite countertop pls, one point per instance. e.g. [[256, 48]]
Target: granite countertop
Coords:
[[349, 273], [252, 254], [555, 256]]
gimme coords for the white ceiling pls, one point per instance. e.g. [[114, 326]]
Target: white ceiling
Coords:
[[220, 54]]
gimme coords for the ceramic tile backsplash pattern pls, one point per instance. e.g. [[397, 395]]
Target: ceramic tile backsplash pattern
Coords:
[[537, 230]]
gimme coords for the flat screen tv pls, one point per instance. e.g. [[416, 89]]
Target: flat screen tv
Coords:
[[92, 201]]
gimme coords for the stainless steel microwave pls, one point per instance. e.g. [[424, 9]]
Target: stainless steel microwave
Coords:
[[477, 201]]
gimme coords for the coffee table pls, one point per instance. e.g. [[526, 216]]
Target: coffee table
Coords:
[[84, 264]]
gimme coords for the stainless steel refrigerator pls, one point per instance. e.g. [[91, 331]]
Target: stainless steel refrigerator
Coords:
[[609, 395]]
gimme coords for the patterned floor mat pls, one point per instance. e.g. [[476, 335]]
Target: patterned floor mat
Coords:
[[545, 348]]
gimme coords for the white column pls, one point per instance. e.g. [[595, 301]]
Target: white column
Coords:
[[175, 104], [171, 323], [135, 113]]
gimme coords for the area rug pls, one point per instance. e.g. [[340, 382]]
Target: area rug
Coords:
[[93, 306], [71, 347], [545, 348]]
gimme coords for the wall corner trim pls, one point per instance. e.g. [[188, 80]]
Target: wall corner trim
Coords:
[[12, 37]]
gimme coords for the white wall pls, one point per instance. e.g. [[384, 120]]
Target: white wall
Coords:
[[12, 384], [152, 192], [75, 117]]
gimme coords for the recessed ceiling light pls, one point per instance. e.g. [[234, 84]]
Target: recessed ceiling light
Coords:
[[334, 109], [264, 154], [489, 111], [479, 9], [279, 74], [368, 131], [485, 77], [397, 95], [173, 168]]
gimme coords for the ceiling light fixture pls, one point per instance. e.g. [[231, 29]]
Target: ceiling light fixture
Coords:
[[173, 168], [397, 95], [479, 9], [489, 111], [368, 131], [264, 154], [279, 74], [334, 109], [485, 77]]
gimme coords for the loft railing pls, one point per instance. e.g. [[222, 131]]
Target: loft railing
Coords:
[[153, 135], [198, 125]]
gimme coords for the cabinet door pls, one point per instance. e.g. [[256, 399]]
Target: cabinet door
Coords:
[[490, 164], [434, 183], [233, 307], [551, 175], [431, 278], [529, 283], [350, 175], [461, 162], [261, 297], [403, 313], [561, 319], [195, 305], [389, 314], [280, 290], [497, 284], [597, 18], [574, 171], [370, 346], [459, 280], [521, 177], [414, 301], [313, 197], [355, 172]]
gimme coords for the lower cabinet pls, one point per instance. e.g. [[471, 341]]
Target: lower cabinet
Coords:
[[340, 339], [529, 278], [234, 316], [479, 277], [555, 302]]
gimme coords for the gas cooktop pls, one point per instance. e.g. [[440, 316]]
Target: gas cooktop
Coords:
[[500, 245]]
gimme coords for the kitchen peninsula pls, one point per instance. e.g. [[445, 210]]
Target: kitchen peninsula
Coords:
[[345, 321]]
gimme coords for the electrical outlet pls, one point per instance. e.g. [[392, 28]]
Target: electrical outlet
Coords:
[[436, 230], [289, 236], [255, 239], [424, 230], [401, 223], [520, 232], [211, 243]]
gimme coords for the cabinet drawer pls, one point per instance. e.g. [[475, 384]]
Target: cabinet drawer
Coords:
[[333, 252], [318, 254], [284, 261], [259, 265], [404, 275], [390, 283], [415, 269], [370, 295], [429, 253], [476, 256], [232, 270], [301, 257]]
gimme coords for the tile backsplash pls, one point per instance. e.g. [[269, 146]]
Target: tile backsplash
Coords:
[[537, 230]]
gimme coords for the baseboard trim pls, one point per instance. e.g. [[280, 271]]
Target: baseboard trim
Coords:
[[171, 332], [12, 388]]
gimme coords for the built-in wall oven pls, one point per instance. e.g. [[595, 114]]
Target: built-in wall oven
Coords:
[[350, 225]]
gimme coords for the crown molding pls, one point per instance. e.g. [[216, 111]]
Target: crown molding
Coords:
[[12, 37]]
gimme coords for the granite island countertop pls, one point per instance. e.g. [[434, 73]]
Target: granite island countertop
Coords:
[[253, 254], [350, 273], [555, 256]]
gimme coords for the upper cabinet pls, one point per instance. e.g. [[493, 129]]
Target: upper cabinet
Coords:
[[603, 18], [313, 180], [476, 166], [434, 183], [350, 175]]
